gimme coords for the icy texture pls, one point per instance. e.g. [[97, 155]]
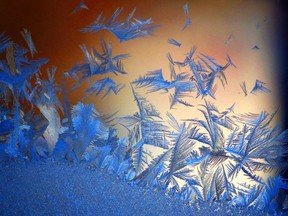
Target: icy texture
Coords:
[[87, 128], [58, 189], [16, 72], [125, 30], [98, 64], [44, 96], [259, 87], [198, 162], [145, 125], [188, 19], [104, 85], [4, 42], [243, 87], [80, 6], [28, 39], [201, 78], [174, 42], [179, 83]]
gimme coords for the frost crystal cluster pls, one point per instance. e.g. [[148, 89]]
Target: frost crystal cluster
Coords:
[[198, 160]]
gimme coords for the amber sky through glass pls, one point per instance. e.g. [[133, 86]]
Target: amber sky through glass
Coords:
[[56, 34]]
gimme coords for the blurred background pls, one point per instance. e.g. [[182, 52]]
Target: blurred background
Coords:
[[218, 28]]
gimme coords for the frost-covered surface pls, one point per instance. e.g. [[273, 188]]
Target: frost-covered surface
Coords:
[[202, 158], [55, 188]]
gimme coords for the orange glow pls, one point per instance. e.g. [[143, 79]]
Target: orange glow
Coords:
[[56, 34]]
